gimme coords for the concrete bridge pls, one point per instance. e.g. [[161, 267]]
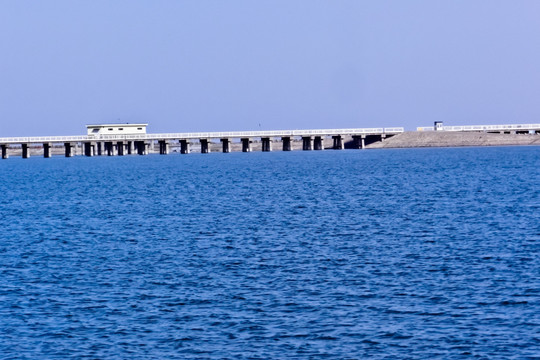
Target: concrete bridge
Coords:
[[142, 144]]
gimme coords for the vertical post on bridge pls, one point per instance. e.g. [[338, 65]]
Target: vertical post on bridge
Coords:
[[226, 145], [68, 147], [46, 150], [205, 148], [184, 146], [89, 148], [266, 143], [286, 140], [318, 143], [359, 141], [307, 143], [163, 147], [120, 148], [25, 151], [338, 142], [246, 144], [5, 154]]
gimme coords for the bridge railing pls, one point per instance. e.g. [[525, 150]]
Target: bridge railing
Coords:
[[505, 127], [272, 133], [42, 139], [393, 130]]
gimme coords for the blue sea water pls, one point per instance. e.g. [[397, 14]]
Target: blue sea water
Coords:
[[382, 254]]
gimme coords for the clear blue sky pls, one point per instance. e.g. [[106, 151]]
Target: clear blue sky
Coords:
[[249, 65]]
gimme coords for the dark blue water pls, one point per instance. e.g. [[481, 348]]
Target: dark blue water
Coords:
[[378, 254]]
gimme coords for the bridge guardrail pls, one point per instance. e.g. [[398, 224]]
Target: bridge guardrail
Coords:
[[504, 127]]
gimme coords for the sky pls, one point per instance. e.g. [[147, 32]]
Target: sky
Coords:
[[215, 65]]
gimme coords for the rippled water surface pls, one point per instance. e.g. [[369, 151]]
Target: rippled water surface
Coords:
[[420, 253]]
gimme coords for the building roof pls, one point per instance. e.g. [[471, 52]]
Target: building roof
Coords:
[[105, 125]]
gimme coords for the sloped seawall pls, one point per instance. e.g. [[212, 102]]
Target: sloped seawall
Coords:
[[412, 139]]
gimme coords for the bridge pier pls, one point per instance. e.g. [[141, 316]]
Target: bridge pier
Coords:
[[68, 147], [149, 146], [266, 144], [205, 148], [89, 149], [226, 145], [359, 141], [120, 148], [129, 147], [163, 147], [184, 147], [25, 151], [5, 154], [140, 147], [338, 142], [246, 144], [286, 140], [318, 143], [110, 149], [46, 150], [307, 143]]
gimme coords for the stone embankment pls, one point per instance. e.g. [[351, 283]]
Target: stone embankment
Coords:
[[414, 139]]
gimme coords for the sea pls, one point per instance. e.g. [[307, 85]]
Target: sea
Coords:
[[351, 254]]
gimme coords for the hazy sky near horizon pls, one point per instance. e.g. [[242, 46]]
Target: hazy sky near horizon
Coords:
[[279, 64]]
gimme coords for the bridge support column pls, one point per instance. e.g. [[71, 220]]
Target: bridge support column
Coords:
[[266, 144], [287, 145], [184, 147], [110, 149], [205, 148], [46, 150], [307, 143], [129, 147], [318, 143], [120, 148], [89, 149], [149, 147], [383, 137], [141, 147], [338, 142], [163, 147], [68, 149], [5, 154], [25, 151], [359, 141], [226, 145], [246, 145]]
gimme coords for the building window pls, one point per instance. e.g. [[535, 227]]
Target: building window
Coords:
[[139, 128], [120, 128], [110, 129]]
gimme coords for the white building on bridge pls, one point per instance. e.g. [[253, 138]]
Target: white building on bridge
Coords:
[[116, 129]]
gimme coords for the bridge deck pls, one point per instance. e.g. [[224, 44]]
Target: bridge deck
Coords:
[[203, 135]]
